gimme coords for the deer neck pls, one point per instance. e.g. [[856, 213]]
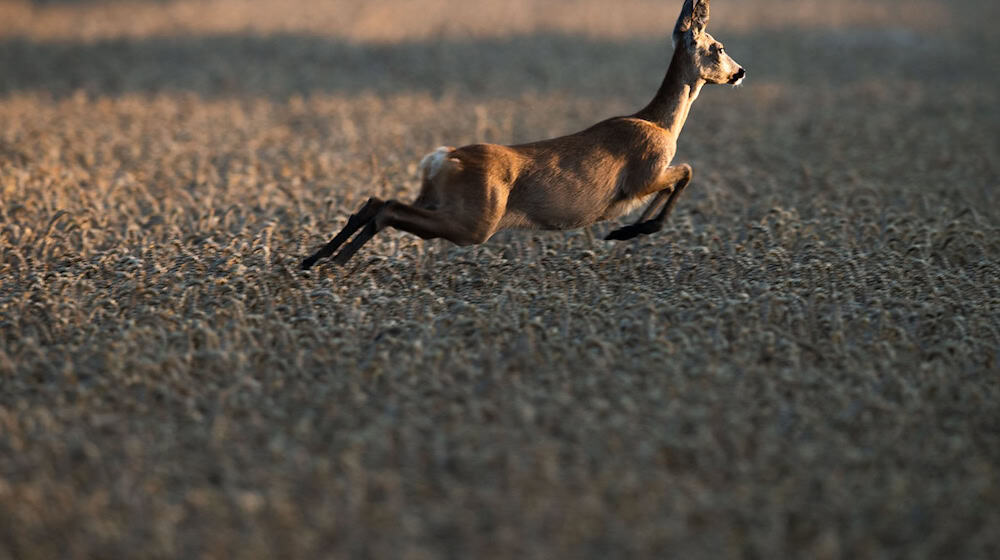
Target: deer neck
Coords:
[[670, 107]]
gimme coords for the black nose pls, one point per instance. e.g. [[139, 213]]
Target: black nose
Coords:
[[739, 76]]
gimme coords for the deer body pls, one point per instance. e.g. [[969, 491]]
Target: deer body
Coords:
[[601, 173], [602, 169]]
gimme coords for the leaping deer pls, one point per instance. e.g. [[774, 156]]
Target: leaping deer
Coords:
[[470, 193]]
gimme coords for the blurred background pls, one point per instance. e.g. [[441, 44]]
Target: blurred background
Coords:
[[270, 48]]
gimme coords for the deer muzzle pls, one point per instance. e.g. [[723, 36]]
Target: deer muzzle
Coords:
[[738, 77]]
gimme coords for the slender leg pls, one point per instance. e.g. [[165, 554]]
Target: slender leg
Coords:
[[677, 179], [671, 202], [345, 254], [468, 229], [428, 224], [364, 215], [655, 204]]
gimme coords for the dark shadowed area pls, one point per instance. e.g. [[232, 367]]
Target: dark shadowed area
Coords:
[[803, 363]]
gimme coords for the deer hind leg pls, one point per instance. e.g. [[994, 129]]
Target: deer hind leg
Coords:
[[468, 227], [669, 186], [359, 219], [423, 222]]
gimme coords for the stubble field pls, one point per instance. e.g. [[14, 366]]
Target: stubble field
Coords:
[[803, 363]]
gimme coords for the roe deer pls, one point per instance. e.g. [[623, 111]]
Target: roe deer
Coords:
[[601, 173]]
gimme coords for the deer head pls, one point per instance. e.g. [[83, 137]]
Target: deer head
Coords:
[[703, 55]]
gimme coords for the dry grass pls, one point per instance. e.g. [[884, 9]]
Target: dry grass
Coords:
[[803, 364]]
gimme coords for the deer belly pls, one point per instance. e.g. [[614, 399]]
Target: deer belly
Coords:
[[559, 206], [547, 218]]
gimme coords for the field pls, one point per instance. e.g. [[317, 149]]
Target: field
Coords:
[[803, 363]]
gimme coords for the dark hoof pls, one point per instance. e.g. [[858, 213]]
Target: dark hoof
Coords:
[[621, 234], [307, 264], [652, 226], [635, 230]]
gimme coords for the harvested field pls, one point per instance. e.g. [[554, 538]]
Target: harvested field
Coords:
[[803, 363]]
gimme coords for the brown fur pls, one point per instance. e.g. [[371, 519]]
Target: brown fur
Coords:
[[601, 173]]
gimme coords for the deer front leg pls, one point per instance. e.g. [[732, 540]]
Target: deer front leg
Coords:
[[670, 184]]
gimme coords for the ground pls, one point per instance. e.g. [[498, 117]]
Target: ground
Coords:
[[803, 363]]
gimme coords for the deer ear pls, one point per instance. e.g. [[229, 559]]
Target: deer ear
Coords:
[[693, 18]]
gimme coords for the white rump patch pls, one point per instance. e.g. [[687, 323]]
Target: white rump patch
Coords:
[[432, 163]]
